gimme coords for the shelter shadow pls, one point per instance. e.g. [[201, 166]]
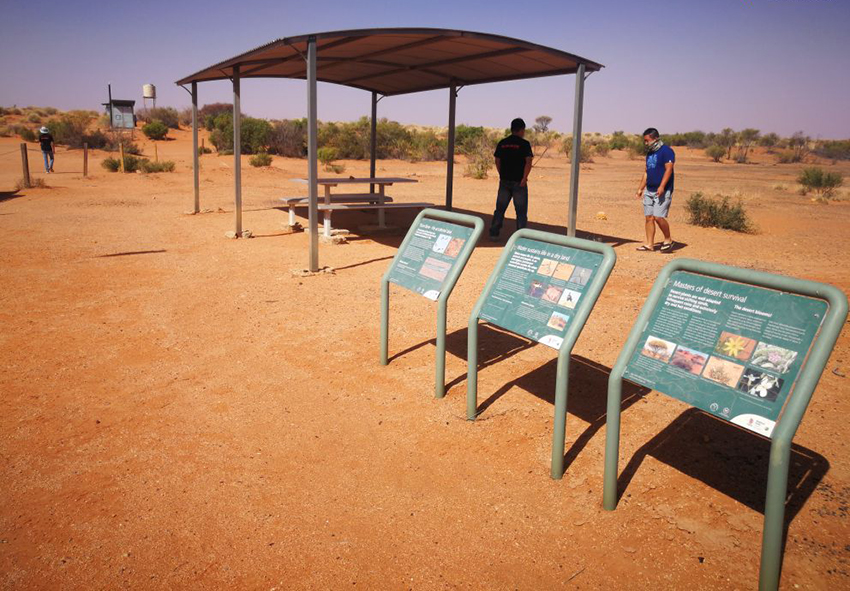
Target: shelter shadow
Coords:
[[401, 220], [729, 459]]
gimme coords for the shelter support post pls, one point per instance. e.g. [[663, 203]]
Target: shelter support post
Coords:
[[237, 150], [312, 156], [576, 153], [195, 164], [450, 155], [373, 140]]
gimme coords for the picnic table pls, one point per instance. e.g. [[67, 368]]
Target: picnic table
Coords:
[[333, 201]]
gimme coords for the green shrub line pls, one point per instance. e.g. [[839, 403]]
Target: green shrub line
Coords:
[[134, 163], [717, 213]]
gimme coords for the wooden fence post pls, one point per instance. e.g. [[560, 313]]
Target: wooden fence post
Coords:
[[26, 166], [121, 145], [85, 159]]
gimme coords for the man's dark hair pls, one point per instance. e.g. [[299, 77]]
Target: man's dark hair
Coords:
[[651, 132], [517, 124]]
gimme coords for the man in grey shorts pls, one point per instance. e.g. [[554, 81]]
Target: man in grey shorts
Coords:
[[656, 189]]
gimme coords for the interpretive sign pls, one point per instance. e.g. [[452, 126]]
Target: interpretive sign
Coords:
[[539, 288], [429, 262], [731, 349], [427, 258], [743, 345], [543, 288]]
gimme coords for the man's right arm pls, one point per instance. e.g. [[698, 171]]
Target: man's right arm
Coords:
[[499, 165]]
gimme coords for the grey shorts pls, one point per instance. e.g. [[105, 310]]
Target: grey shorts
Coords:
[[656, 205]]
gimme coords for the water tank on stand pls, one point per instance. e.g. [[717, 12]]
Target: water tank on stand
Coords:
[[149, 92]]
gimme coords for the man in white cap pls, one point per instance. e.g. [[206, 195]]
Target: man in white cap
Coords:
[[46, 141]]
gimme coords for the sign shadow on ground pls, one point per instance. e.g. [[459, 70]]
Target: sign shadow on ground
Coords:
[[729, 459], [588, 382]]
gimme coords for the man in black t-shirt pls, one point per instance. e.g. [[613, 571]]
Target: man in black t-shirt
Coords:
[[46, 141], [513, 161]]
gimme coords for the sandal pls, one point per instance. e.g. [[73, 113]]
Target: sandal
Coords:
[[667, 246], [645, 248]]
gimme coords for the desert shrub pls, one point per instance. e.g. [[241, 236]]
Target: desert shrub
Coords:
[[203, 150], [833, 150], [715, 152], [51, 110], [602, 148], [480, 160], [166, 115], [585, 156], [184, 117], [427, 145], [326, 155], [741, 158], [261, 159], [113, 143], [5, 131], [289, 138], [147, 166], [155, 130], [131, 163], [71, 128], [27, 134], [208, 113], [467, 138], [819, 181], [255, 134], [35, 183], [33, 118], [717, 213], [618, 141]]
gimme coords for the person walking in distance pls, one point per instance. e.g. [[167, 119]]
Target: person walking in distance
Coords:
[[47, 145], [513, 161], [656, 189]]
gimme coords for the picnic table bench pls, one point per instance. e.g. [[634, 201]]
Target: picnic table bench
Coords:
[[372, 200]]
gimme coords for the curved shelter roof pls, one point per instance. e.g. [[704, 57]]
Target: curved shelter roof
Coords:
[[401, 60]]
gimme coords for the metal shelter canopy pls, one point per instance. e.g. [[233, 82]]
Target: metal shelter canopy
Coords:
[[388, 62], [400, 61]]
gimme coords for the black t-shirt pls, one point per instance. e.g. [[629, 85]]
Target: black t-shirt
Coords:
[[512, 152], [46, 142]]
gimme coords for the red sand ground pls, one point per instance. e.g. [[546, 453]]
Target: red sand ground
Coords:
[[179, 411]]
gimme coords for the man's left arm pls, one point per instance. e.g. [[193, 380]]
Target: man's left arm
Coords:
[[668, 172]]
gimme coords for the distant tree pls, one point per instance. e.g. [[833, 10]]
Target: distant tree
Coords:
[[799, 143], [821, 182], [769, 141], [715, 152], [746, 138], [727, 139], [541, 124]]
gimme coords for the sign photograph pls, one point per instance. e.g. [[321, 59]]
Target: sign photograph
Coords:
[[731, 349], [429, 256], [537, 291]]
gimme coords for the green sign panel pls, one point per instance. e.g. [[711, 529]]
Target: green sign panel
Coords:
[[429, 256], [539, 289], [731, 349]]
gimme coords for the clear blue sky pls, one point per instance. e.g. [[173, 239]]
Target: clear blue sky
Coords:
[[777, 65]]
